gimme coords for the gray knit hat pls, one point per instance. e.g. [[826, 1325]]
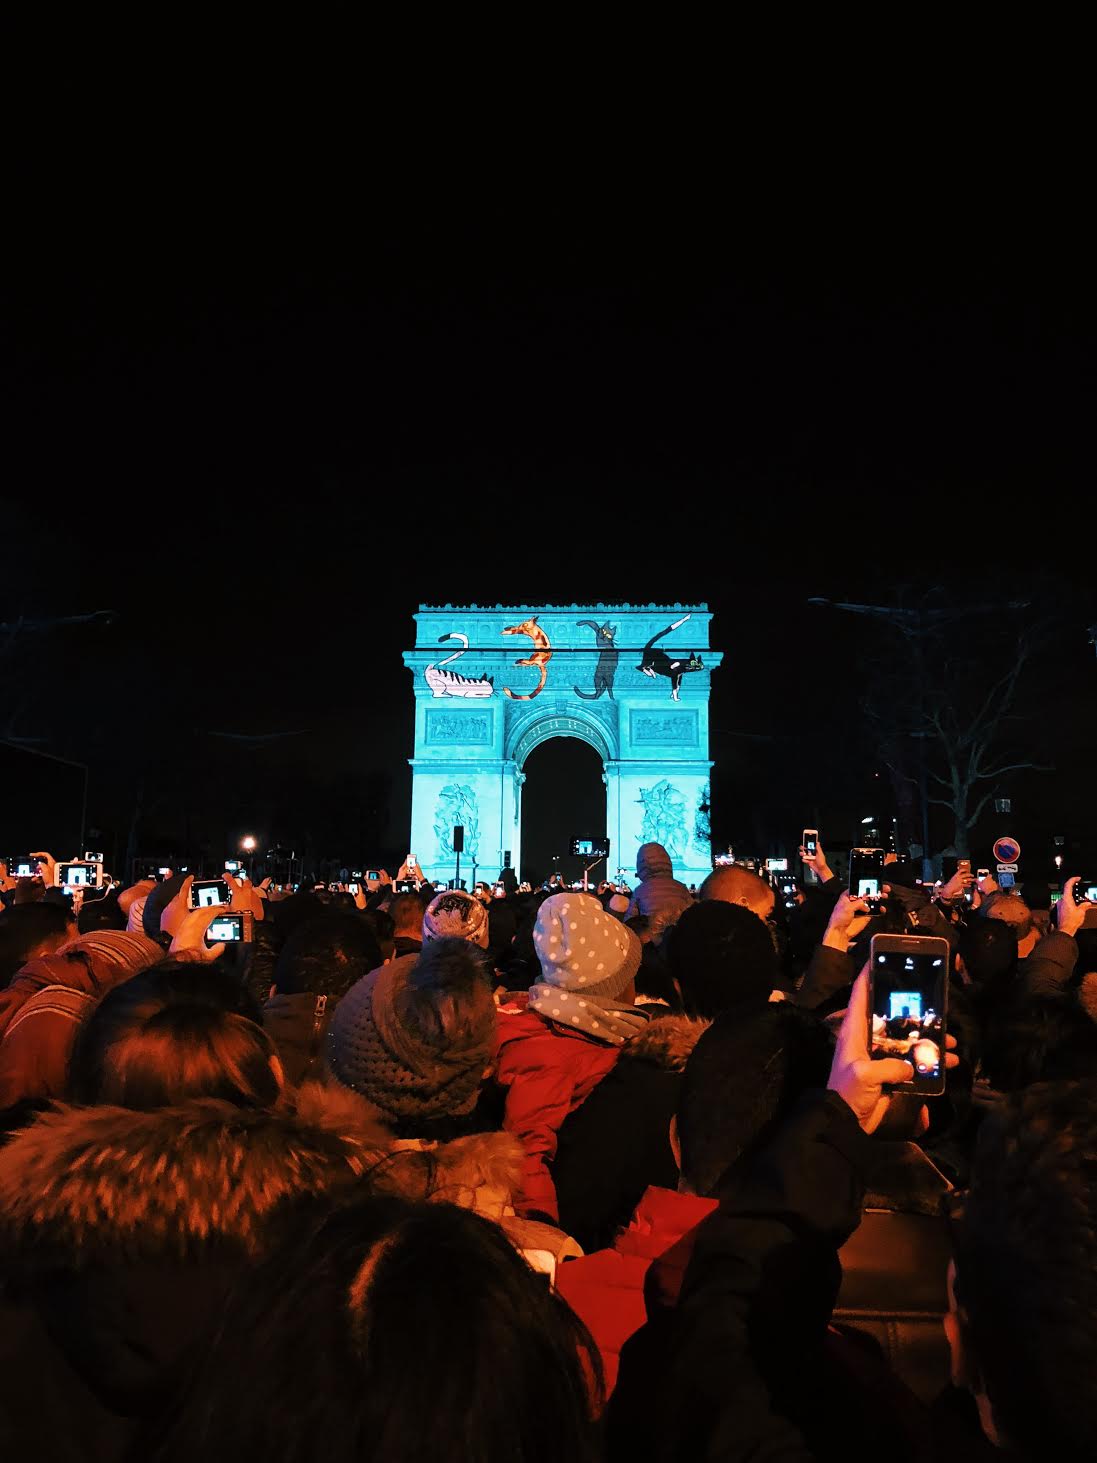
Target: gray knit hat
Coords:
[[415, 1036], [582, 948]]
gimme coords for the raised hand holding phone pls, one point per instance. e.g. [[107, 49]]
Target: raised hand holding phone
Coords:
[[854, 1076], [814, 858], [847, 919], [1070, 915], [188, 940]]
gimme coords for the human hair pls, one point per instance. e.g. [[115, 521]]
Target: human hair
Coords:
[[721, 955], [1038, 1039], [326, 956], [406, 913], [27, 930], [1026, 1269], [734, 885], [389, 1330], [743, 1076], [169, 1035], [1012, 909], [100, 914], [384, 931], [988, 948]]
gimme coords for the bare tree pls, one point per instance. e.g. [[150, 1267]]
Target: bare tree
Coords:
[[946, 696]]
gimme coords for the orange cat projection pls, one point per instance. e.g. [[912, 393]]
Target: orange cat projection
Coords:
[[540, 657]]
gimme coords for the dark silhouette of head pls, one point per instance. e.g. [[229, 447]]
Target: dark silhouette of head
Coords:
[[392, 1330], [721, 955], [28, 930], [326, 956]]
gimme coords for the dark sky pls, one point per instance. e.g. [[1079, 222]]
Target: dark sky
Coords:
[[262, 458]]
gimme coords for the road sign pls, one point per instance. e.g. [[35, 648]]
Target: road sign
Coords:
[[1007, 850], [1007, 868]]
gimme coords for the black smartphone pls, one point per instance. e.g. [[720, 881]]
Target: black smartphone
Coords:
[[810, 841], [206, 892], [866, 873], [22, 866], [1085, 889], [227, 929], [908, 1006]]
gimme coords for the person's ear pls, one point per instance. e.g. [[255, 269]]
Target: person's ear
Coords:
[[675, 1145]]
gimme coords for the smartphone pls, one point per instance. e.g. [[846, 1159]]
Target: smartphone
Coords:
[[356, 873], [963, 866], [982, 873], [1085, 889], [908, 1006], [810, 840], [206, 892], [22, 866], [228, 929], [866, 873], [405, 886], [498, 891], [373, 876], [232, 865], [353, 888], [79, 876]]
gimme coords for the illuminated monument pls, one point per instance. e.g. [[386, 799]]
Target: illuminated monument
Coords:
[[491, 683]]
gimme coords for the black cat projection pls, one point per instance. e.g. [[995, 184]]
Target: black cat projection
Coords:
[[606, 668], [658, 662]]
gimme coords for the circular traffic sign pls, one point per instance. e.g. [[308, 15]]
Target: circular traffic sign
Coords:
[[1007, 850]]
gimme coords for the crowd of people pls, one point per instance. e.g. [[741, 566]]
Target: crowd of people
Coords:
[[518, 1174]]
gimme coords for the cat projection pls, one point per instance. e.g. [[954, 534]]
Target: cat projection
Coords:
[[658, 663], [606, 669], [540, 656], [450, 683]]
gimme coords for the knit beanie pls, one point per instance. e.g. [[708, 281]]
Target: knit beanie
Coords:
[[456, 914], [415, 1037], [582, 948], [157, 901]]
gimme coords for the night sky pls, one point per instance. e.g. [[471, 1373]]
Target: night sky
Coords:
[[262, 459]]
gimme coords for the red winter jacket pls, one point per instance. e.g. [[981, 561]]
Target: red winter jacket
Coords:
[[606, 1289], [547, 1072]]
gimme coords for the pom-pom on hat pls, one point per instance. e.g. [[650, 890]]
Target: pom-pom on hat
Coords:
[[456, 914]]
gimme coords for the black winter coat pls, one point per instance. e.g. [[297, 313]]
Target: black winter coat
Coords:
[[617, 1142]]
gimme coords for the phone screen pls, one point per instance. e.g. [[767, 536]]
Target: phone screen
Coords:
[[76, 876], [23, 868], [352, 888], [811, 842], [1085, 889], [909, 1008], [866, 872], [204, 893], [373, 875], [225, 929]]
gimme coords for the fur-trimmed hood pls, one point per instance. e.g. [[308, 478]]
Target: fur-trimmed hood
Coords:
[[667, 1041], [84, 1185]]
